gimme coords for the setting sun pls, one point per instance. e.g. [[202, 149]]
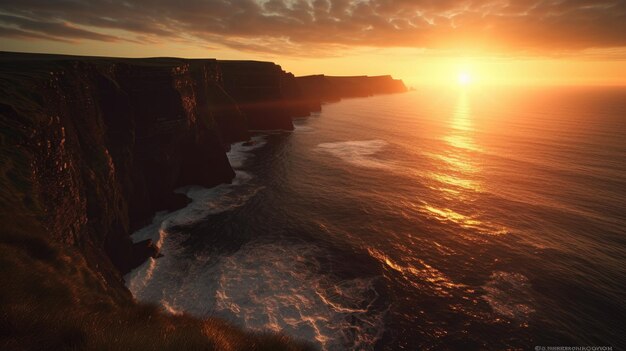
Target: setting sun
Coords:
[[464, 78], [313, 174]]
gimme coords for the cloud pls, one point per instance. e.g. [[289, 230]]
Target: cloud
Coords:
[[22, 34], [293, 26], [62, 31]]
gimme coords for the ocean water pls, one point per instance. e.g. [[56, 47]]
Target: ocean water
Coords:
[[430, 220]]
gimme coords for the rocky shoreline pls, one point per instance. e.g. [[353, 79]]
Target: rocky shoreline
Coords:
[[92, 147]]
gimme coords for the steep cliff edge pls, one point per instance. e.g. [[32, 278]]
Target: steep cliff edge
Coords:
[[90, 148], [268, 96], [330, 88]]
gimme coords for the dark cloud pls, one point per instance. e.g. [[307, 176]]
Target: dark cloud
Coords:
[[289, 26], [21, 34], [52, 30]]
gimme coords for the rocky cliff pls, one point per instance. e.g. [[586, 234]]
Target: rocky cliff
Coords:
[[90, 149], [329, 88], [268, 96]]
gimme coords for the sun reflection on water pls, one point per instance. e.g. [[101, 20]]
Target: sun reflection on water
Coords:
[[456, 163], [450, 215], [458, 173], [462, 126], [460, 170], [420, 274], [451, 179], [462, 142]]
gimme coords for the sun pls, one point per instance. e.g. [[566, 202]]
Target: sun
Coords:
[[464, 78]]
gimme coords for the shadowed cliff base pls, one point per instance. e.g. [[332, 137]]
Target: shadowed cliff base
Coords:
[[90, 148]]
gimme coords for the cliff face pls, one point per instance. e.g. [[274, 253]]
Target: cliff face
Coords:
[[111, 139], [91, 148], [259, 89], [329, 88]]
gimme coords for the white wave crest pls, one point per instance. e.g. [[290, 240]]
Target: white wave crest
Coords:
[[147, 280], [262, 286], [240, 152], [508, 294], [300, 126], [358, 152], [278, 287]]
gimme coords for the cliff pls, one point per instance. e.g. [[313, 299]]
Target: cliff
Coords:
[[268, 96], [90, 149], [329, 88]]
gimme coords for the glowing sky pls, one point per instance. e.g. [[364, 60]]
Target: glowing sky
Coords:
[[420, 41]]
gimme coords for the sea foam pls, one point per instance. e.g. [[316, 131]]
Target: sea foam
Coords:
[[275, 286], [204, 202], [509, 295], [358, 152]]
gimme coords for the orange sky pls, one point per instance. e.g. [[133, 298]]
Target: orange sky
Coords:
[[420, 41]]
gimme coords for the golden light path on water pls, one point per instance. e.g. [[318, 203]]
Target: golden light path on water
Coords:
[[457, 179], [460, 176], [411, 221]]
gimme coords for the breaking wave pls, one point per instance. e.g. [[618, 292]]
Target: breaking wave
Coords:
[[358, 152], [509, 294], [143, 281], [279, 287]]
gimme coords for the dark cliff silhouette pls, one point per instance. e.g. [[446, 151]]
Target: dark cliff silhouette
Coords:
[[329, 88], [90, 149]]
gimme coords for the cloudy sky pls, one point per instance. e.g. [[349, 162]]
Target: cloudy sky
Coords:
[[551, 41]]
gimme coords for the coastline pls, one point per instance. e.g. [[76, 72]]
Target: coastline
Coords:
[[92, 147]]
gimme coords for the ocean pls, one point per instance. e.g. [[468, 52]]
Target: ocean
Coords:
[[430, 220]]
